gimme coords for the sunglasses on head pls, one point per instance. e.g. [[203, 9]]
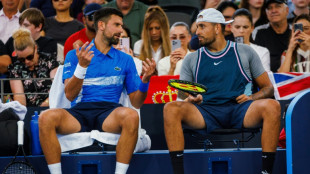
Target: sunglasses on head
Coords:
[[59, 0], [90, 17], [178, 37], [29, 57]]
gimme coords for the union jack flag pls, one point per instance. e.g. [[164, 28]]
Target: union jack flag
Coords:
[[288, 85]]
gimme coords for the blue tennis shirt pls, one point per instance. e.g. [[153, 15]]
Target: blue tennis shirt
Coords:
[[106, 76]]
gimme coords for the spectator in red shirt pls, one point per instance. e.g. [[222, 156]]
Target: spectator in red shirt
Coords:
[[86, 34]]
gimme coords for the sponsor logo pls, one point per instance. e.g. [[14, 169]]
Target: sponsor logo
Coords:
[[117, 68], [67, 65], [216, 63]]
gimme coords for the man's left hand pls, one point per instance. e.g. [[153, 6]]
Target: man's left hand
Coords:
[[243, 98], [148, 67]]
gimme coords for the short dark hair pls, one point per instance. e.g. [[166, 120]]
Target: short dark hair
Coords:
[[243, 12], [176, 24], [225, 4], [104, 14], [34, 16], [302, 16], [126, 29]]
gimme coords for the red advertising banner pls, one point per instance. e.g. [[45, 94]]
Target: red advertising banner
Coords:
[[159, 90]]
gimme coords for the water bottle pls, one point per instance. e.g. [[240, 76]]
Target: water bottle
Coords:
[[34, 126]]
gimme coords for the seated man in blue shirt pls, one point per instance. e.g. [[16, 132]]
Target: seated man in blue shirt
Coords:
[[94, 77]]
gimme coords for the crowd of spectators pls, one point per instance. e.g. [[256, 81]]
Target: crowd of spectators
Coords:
[[34, 34], [63, 25]]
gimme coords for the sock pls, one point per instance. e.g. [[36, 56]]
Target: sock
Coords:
[[177, 161], [267, 162], [121, 168], [55, 168]]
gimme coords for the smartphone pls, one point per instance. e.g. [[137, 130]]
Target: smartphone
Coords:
[[175, 44], [239, 39], [124, 43], [298, 26]]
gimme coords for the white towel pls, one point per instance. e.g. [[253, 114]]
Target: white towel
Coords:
[[85, 139], [57, 97], [18, 108]]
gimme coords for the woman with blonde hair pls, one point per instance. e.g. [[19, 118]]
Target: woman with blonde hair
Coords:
[[31, 64], [155, 42]]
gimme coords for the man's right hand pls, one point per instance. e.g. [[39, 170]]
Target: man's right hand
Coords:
[[84, 55], [192, 99], [77, 43]]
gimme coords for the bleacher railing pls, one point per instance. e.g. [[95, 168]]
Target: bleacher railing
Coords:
[[3, 94]]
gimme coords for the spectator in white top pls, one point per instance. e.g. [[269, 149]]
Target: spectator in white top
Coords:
[[171, 65], [9, 19], [242, 28], [297, 57], [155, 41]]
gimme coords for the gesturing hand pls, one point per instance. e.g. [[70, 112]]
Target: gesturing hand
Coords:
[[148, 67], [84, 55]]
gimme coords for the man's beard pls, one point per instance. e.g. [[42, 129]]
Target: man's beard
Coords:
[[207, 43], [90, 28], [111, 40]]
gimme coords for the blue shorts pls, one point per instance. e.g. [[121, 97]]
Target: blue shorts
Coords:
[[228, 115], [92, 114]]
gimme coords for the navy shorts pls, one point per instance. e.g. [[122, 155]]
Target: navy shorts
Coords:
[[228, 115], [92, 114]]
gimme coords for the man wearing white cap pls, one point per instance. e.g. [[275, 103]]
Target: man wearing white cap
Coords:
[[226, 69]]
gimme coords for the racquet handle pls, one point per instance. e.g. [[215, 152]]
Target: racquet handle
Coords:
[[20, 132]]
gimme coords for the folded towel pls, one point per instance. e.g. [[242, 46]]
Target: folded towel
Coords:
[[18, 108], [84, 139]]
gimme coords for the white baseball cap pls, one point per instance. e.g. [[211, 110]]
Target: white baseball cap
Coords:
[[213, 16]]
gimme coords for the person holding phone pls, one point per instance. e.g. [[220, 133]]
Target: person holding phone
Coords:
[[124, 45], [242, 28], [297, 57], [276, 33], [180, 37]]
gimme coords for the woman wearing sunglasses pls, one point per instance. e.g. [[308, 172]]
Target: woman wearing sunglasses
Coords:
[[31, 64]]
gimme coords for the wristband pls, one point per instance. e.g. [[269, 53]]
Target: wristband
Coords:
[[144, 86], [80, 72]]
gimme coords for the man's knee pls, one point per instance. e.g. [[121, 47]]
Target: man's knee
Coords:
[[48, 117], [272, 109], [173, 111], [131, 120]]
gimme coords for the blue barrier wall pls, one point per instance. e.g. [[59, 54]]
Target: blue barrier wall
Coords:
[[298, 134]]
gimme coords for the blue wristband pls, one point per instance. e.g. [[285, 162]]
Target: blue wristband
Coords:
[[144, 86]]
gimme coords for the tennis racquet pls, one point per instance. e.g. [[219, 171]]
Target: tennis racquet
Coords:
[[187, 86], [19, 167]]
